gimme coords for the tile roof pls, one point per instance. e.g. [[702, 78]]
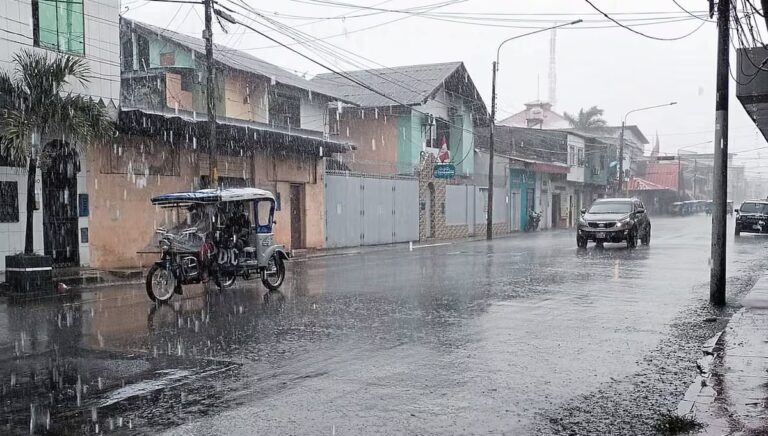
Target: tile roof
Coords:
[[409, 85], [239, 60]]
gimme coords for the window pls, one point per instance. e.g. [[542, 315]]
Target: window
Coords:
[[142, 51], [571, 155], [127, 53], [59, 25], [581, 157], [187, 82], [284, 110], [9, 202], [438, 132]]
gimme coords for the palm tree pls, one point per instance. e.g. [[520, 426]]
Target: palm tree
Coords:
[[34, 105], [590, 119]]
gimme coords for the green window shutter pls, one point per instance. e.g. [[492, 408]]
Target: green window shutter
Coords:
[[71, 26], [47, 24]]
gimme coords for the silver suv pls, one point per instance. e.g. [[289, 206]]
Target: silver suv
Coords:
[[614, 220]]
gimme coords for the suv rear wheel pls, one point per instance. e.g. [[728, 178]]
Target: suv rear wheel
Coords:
[[646, 239]]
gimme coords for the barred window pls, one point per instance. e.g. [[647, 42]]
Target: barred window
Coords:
[[9, 202]]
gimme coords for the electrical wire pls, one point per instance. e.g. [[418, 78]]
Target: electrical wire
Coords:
[[689, 12], [330, 52], [641, 33]]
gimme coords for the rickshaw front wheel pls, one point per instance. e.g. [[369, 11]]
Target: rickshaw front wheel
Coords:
[[161, 284], [275, 274]]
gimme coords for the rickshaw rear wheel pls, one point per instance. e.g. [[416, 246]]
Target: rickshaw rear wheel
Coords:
[[274, 280]]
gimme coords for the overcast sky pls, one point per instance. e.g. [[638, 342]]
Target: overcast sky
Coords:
[[608, 67]]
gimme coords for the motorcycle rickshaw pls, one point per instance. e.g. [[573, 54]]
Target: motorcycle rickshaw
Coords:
[[226, 233]]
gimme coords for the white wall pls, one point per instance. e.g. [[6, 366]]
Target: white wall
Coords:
[[576, 170], [314, 113], [102, 43], [436, 106], [544, 199]]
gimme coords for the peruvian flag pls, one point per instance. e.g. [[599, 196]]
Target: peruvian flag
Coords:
[[444, 155]]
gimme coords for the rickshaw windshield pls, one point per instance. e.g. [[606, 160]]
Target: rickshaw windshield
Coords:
[[265, 210]]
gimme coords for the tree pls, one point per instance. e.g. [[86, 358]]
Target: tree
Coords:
[[587, 120], [34, 105]]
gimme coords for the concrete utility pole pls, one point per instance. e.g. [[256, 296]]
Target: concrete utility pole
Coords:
[[491, 144], [621, 156], [489, 218], [210, 93], [719, 223]]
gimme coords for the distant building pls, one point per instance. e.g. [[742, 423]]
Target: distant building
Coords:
[[537, 115]]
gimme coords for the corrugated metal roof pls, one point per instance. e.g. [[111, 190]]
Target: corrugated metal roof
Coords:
[[663, 174], [240, 60], [409, 85]]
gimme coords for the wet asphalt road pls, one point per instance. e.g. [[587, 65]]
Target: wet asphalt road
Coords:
[[516, 336]]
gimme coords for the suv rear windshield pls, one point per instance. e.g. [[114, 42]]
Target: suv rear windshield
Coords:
[[761, 208], [611, 207]]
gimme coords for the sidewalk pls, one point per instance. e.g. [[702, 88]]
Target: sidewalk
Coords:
[[738, 396]]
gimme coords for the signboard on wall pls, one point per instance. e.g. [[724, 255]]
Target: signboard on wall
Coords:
[[444, 171]]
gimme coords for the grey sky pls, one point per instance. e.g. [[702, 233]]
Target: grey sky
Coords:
[[612, 67]]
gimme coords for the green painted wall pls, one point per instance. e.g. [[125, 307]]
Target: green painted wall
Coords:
[[409, 139], [184, 58], [462, 142]]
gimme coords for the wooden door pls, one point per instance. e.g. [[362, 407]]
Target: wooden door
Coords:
[[297, 211]]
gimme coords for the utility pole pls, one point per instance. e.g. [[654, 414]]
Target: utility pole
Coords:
[[489, 218], [621, 157], [718, 255], [695, 173], [210, 93]]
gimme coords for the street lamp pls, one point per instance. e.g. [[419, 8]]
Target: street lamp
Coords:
[[621, 138], [489, 219]]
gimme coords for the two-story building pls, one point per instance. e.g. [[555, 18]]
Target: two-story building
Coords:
[[272, 134], [405, 111], [87, 29]]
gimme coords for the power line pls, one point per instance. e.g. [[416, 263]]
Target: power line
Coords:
[[690, 13], [641, 33], [329, 51]]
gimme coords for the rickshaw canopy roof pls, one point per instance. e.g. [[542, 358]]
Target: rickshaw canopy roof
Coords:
[[208, 196]]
